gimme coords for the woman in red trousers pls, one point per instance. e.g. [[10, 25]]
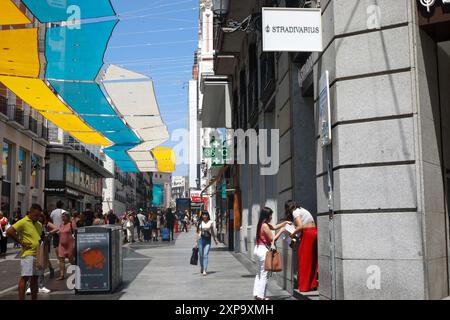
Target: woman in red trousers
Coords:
[[305, 227]]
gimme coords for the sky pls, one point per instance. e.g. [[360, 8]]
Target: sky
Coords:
[[158, 38]]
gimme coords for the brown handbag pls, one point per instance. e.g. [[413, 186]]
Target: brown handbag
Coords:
[[273, 262]]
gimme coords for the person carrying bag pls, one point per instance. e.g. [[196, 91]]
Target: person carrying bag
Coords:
[[268, 260]]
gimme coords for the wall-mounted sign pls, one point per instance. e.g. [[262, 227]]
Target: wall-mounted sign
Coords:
[[325, 109], [292, 30], [429, 4]]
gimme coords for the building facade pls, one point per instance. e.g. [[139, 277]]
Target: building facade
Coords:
[[180, 188], [24, 137], [162, 183], [75, 173], [388, 63], [126, 191]]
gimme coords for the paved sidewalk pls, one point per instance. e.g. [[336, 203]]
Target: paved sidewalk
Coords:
[[161, 271], [170, 276]]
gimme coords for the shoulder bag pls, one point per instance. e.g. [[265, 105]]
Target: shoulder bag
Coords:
[[273, 262]]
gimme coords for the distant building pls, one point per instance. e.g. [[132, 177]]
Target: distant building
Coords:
[[180, 187], [162, 182], [75, 172]]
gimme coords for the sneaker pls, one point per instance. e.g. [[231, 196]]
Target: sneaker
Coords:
[[44, 290], [28, 292]]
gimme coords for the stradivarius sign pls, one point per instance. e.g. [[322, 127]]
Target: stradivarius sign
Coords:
[[292, 29], [429, 4]]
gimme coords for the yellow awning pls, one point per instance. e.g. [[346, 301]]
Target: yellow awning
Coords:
[[19, 52], [11, 14], [165, 159], [91, 138], [36, 93], [67, 122]]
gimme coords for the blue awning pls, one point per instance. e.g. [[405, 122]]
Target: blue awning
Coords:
[[122, 137], [106, 123], [83, 97], [77, 54], [63, 10]]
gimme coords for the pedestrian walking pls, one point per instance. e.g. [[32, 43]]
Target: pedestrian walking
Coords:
[[27, 232], [56, 219], [47, 230], [66, 248], [17, 216], [124, 222], [264, 241], [305, 233], [112, 218], [77, 219], [4, 225], [130, 228], [88, 215], [205, 231], [170, 220], [184, 221], [140, 226], [98, 219]]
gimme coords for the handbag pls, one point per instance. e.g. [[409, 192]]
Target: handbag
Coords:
[[41, 256], [194, 257], [273, 262]]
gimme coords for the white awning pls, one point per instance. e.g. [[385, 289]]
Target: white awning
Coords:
[[151, 134], [141, 156], [216, 109], [132, 93], [142, 122], [148, 145]]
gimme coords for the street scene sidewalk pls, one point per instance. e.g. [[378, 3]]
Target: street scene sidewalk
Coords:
[[161, 271]]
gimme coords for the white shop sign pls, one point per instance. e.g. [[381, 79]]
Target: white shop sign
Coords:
[[430, 3], [292, 30]]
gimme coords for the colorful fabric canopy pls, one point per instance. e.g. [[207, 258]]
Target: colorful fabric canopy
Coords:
[[10, 14], [63, 10], [85, 98], [165, 159], [77, 54], [19, 54]]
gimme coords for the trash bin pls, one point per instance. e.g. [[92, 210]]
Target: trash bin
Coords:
[[99, 258]]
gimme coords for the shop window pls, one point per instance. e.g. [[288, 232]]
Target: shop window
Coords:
[[267, 66], [6, 161], [22, 168], [36, 168]]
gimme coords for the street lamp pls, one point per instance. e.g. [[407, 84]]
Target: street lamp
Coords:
[[221, 8]]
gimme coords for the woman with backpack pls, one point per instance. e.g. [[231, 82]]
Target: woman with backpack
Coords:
[[205, 231]]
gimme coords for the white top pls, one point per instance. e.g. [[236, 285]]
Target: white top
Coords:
[[141, 219], [56, 216], [304, 215], [206, 225]]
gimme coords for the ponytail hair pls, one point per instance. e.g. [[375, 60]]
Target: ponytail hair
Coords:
[[290, 206]]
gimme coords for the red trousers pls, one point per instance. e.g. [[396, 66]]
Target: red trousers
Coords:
[[308, 266]]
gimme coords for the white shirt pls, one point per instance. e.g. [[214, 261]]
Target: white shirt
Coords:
[[141, 219], [56, 216], [304, 215], [206, 225]]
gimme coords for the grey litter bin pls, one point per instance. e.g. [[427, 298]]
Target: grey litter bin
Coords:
[[99, 257]]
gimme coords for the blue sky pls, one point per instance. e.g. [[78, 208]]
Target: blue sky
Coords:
[[158, 38]]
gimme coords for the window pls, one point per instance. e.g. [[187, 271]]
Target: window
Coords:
[[22, 172], [70, 170], [36, 163], [6, 161]]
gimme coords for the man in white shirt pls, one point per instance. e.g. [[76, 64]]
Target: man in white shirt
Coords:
[[141, 220], [56, 217]]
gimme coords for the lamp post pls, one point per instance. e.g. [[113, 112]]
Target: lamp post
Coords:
[[221, 8]]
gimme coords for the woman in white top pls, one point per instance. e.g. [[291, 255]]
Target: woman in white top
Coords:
[[305, 227], [205, 231]]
